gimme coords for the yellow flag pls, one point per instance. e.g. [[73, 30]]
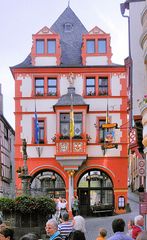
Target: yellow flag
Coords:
[[71, 123]]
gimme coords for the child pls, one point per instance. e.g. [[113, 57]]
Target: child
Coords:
[[102, 234]]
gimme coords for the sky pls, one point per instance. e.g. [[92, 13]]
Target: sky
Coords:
[[19, 19]]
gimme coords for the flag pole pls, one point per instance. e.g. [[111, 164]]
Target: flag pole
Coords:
[[36, 124], [71, 131], [107, 113]]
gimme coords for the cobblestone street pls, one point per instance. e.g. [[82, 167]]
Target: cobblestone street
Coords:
[[92, 224]]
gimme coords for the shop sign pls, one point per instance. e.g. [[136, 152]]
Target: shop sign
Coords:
[[141, 167]]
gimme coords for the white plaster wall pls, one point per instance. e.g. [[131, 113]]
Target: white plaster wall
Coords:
[[51, 128], [79, 84], [96, 151], [42, 105], [45, 61], [90, 127], [46, 152], [96, 60], [139, 80], [91, 121], [115, 85], [27, 128], [101, 104], [26, 87], [26, 124]]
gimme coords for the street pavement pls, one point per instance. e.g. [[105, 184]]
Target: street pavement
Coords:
[[94, 223]]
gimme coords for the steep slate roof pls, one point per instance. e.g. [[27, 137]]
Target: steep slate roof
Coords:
[[67, 100], [71, 41]]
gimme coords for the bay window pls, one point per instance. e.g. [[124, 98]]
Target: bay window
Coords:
[[65, 124]]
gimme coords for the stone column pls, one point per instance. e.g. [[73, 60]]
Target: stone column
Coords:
[[71, 186]]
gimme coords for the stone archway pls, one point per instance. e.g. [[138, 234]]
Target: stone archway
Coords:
[[49, 183], [95, 191]]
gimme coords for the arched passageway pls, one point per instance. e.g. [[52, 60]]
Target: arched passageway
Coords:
[[95, 191]]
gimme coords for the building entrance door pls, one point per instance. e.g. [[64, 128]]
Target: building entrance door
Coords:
[[95, 191], [84, 202]]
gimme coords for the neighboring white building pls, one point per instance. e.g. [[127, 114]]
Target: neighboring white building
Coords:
[[7, 135], [137, 87]]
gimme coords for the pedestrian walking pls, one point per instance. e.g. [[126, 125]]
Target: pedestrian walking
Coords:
[[78, 225], [102, 234], [118, 227], [76, 206], [72, 204], [52, 230], [141, 188], [77, 235], [7, 234], [62, 207], [66, 226], [58, 209], [130, 227], [138, 226]]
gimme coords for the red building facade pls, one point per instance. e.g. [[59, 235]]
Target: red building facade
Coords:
[[70, 70]]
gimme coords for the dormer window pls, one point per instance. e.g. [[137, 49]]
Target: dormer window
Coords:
[[68, 27], [102, 45], [90, 46], [40, 46], [51, 46]]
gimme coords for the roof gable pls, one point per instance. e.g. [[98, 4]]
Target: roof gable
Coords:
[[96, 30], [71, 39], [45, 30]]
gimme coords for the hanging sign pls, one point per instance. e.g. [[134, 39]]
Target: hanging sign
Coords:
[[109, 135]]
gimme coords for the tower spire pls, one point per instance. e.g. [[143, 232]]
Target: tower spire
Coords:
[[68, 3]]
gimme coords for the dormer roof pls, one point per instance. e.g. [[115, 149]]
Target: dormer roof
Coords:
[[71, 39], [71, 98], [96, 30]]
